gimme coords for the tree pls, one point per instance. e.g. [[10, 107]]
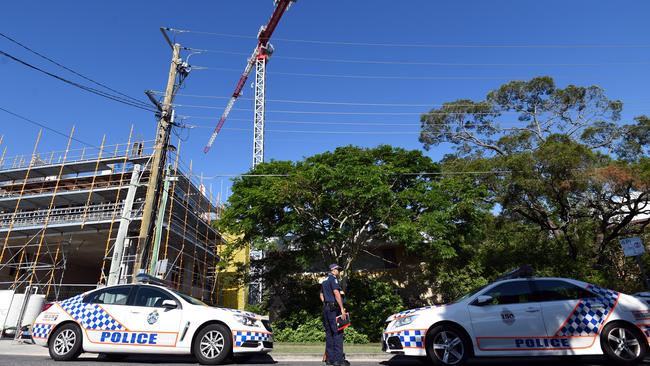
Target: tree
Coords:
[[555, 157], [339, 204]]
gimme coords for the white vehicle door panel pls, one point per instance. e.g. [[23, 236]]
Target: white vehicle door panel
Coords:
[[574, 315], [113, 326], [107, 338], [510, 323], [149, 328], [101, 313]]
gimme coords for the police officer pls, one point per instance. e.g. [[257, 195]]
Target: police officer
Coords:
[[332, 307]]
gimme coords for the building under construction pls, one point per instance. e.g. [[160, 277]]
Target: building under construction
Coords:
[[62, 213]]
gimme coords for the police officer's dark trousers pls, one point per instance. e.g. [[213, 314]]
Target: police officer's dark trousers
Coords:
[[333, 337]]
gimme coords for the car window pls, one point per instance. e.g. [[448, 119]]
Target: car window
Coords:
[[517, 292], [110, 296], [469, 294], [190, 299], [151, 297], [554, 290]]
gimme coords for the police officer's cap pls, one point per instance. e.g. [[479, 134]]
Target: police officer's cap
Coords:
[[334, 266]]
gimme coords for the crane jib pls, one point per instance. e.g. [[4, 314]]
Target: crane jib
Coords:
[[263, 40]]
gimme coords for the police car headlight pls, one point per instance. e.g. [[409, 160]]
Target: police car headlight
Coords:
[[247, 321], [404, 321]]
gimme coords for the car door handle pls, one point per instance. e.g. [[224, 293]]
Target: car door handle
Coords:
[[532, 310], [135, 312]]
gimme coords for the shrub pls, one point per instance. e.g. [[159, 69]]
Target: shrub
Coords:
[[370, 302], [311, 331]]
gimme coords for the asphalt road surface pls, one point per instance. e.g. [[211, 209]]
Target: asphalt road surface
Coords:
[[266, 360]]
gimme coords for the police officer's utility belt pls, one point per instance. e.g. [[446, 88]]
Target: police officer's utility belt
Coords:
[[331, 305]]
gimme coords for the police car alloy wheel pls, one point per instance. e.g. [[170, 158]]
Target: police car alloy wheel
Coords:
[[65, 343], [447, 345], [623, 344], [212, 344]]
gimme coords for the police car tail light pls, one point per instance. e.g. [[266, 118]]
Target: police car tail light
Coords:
[[247, 321], [46, 306], [405, 321]]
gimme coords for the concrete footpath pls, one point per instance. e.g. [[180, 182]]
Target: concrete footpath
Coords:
[[13, 348]]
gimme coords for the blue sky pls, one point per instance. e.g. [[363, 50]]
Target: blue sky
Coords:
[[118, 43]]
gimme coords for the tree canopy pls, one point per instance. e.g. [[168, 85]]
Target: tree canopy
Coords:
[[558, 158], [339, 204]]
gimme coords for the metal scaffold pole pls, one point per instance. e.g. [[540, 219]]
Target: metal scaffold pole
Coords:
[[125, 218], [159, 223], [103, 277], [20, 196]]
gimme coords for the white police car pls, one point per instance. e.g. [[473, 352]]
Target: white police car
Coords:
[[526, 316], [148, 318]]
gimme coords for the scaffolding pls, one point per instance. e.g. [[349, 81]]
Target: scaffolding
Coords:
[[60, 212]]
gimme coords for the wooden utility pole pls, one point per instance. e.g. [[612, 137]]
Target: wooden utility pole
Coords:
[[157, 165]]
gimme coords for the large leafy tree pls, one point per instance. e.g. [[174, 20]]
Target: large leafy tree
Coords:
[[333, 206], [559, 158]]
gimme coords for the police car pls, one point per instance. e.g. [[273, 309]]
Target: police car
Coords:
[[521, 315], [148, 318]]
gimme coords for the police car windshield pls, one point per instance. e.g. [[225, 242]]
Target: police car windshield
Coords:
[[469, 294], [190, 299]]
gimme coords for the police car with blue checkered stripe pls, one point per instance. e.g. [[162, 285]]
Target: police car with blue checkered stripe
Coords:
[[522, 315], [148, 318]]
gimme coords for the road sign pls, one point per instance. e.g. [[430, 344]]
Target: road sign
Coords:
[[632, 247]]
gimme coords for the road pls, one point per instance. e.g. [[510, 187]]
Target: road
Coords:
[[178, 361]]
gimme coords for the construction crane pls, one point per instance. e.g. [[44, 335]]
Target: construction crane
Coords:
[[258, 59]]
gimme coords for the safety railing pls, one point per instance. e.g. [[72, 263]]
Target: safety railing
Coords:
[[69, 215], [135, 149], [64, 186]]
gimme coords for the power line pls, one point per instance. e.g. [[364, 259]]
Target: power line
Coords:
[[80, 86], [499, 125], [329, 132], [447, 173], [72, 71], [420, 63], [293, 101], [344, 113], [380, 77], [371, 124], [496, 112], [417, 45], [45, 127]]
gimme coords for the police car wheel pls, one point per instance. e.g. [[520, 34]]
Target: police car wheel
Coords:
[[623, 344], [447, 346], [65, 343], [212, 345]]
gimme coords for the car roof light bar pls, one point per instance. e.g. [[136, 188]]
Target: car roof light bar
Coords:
[[524, 271], [145, 278]]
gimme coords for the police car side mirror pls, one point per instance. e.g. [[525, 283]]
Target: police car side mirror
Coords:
[[483, 300], [169, 304]]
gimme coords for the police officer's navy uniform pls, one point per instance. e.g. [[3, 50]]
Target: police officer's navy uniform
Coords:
[[333, 337]]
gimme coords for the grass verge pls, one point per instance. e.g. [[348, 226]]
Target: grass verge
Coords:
[[295, 348]]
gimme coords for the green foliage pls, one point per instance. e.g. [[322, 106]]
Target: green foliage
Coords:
[[569, 168], [370, 302], [310, 330], [335, 204], [256, 309]]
